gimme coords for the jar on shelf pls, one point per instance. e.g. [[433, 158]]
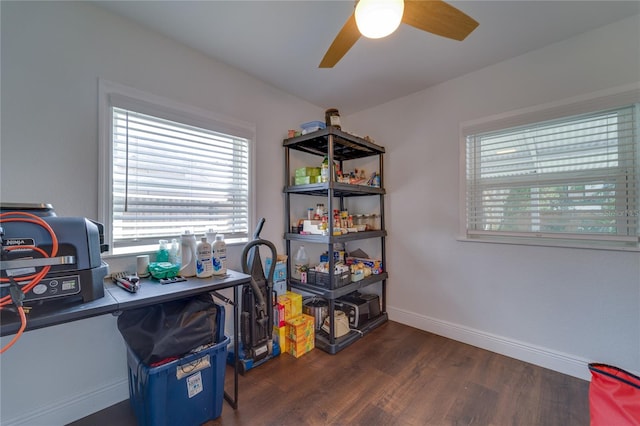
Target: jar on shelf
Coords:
[[366, 221], [375, 221], [332, 118]]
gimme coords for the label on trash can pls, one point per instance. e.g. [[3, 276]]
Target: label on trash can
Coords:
[[194, 384], [190, 368]]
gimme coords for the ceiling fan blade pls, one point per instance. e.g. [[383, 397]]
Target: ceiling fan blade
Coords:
[[346, 38], [438, 17]]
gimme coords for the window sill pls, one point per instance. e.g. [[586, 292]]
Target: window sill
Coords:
[[123, 252], [522, 241]]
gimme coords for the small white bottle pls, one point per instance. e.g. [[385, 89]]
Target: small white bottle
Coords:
[[204, 265], [219, 249]]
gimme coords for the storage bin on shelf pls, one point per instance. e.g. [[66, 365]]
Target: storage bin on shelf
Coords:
[[322, 279], [186, 391]]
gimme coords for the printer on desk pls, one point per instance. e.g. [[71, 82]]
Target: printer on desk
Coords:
[[77, 270]]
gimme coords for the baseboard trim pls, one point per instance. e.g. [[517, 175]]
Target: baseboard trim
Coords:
[[73, 408], [543, 357]]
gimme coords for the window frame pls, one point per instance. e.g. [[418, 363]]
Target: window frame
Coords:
[[602, 100], [112, 94]]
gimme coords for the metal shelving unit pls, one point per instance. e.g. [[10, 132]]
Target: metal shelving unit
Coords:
[[339, 146]]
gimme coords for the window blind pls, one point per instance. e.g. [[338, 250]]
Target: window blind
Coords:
[[572, 178], [168, 177]]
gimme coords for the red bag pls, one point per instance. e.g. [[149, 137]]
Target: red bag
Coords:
[[614, 396]]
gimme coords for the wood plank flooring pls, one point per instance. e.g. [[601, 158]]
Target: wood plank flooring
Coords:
[[397, 375]]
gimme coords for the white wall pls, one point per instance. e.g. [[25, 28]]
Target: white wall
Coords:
[[556, 307], [52, 57]]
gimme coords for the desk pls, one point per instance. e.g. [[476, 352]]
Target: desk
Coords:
[[116, 299]]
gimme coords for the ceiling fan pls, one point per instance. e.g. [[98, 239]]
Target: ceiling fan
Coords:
[[434, 16]]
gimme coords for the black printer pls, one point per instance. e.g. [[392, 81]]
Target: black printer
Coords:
[[76, 270]]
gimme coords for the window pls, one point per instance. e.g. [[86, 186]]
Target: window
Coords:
[[565, 181], [168, 168]]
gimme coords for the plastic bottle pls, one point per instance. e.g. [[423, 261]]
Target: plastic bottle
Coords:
[[174, 252], [163, 251], [300, 262], [219, 256], [204, 264], [324, 170], [188, 247], [211, 236]]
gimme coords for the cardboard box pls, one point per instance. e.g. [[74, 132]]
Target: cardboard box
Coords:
[[280, 333], [374, 264], [305, 180], [300, 347], [280, 288], [292, 303], [302, 180], [278, 315], [301, 327], [312, 227], [285, 302], [280, 273], [307, 171], [338, 256], [296, 303]]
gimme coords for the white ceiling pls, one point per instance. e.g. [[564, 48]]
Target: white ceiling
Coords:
[[282, 42]]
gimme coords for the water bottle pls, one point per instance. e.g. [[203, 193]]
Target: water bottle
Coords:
[[189, 255], [219, 256], [300, 263], [204, 265]]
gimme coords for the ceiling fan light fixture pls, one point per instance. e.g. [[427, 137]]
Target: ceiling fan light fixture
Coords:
[[378, 18]]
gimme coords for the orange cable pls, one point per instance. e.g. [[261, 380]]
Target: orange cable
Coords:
[[34, 278], [23, 325]]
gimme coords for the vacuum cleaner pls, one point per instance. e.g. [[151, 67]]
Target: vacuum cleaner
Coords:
[[256, 315]]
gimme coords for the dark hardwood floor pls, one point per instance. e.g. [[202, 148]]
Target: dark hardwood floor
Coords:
[[397, 375]]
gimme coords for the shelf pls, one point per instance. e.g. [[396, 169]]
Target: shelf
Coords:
[[322, 338], [338, 292], [337, 146], [326, 239], [346, 146], [339, 189]]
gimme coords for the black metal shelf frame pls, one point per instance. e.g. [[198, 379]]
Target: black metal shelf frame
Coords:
[[337, 146]]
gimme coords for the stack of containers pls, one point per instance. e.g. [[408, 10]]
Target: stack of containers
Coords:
[[300, 337], [307, 175], [187, 391], [295, 330]]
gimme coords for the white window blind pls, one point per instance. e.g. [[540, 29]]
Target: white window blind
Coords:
[[169, 176], [574, 178]]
